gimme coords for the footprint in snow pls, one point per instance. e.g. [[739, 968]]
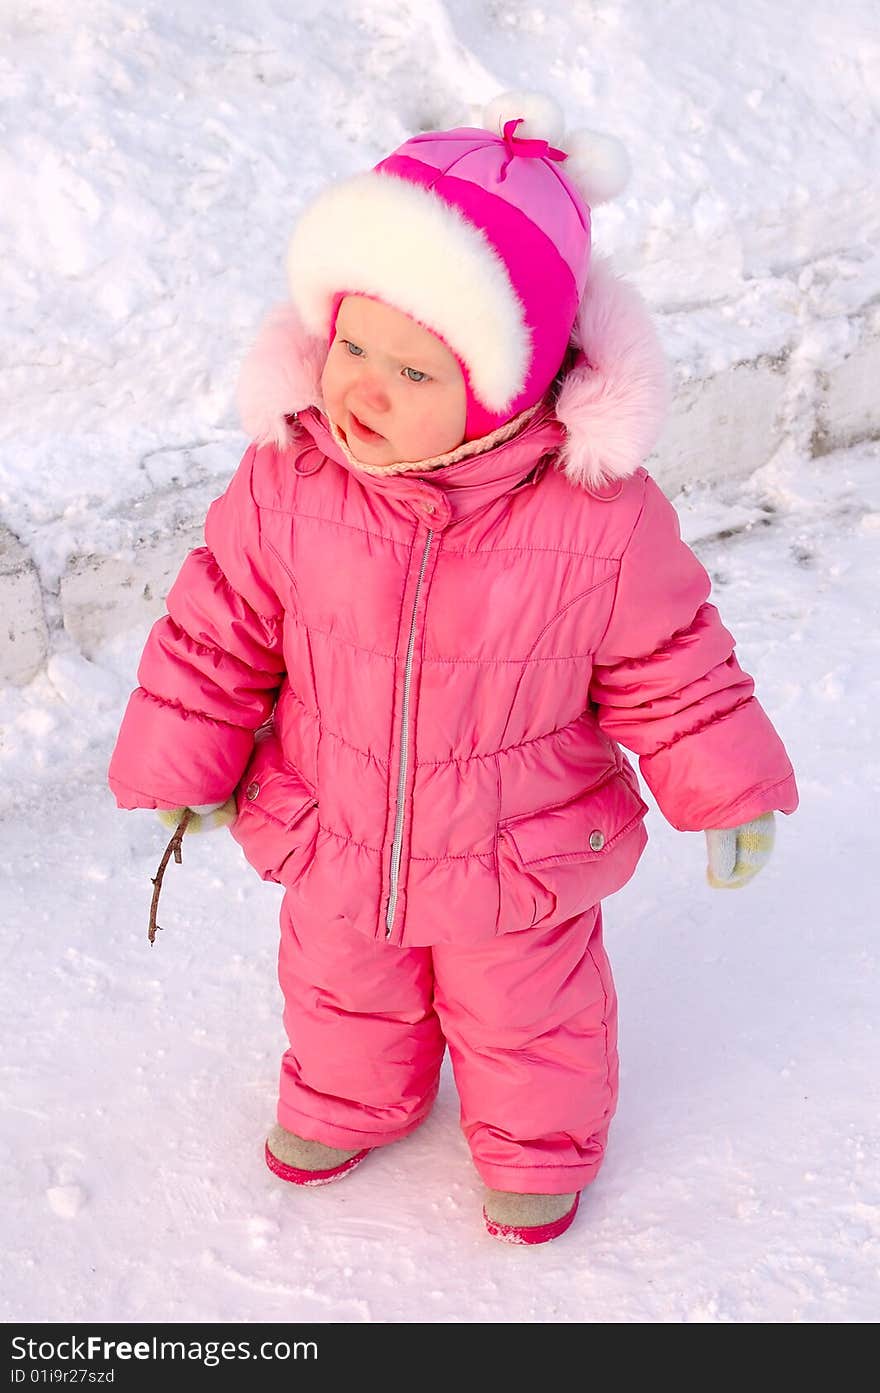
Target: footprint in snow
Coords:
[[66, 1200]]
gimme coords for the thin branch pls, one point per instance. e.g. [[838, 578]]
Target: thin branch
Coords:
[[173, 846]]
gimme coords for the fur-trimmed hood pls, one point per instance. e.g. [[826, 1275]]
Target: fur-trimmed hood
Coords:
[[612, 404]]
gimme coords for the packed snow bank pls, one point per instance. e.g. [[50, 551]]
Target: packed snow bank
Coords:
[[155, 161]]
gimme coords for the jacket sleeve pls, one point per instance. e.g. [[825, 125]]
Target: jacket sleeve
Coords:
[[666, 685], [210, 669]]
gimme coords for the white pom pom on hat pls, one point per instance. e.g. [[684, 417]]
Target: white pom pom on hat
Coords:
[[597, 164], [542, 116]]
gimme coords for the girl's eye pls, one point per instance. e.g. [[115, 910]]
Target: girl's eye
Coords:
[[355, 352]]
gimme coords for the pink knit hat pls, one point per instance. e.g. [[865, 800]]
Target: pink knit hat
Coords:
[[480, 234]]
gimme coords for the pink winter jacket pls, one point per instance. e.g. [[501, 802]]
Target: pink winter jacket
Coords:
[[418, 683]]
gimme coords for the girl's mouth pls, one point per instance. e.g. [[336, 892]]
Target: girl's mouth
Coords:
[[361, 431]]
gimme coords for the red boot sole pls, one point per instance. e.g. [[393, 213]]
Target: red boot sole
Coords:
[[296, 1176], [530, 1233]]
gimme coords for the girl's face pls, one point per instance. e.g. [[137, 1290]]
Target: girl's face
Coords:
[[392, 389]]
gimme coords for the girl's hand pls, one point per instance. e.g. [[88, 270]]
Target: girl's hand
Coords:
[[736, 854], [204, 819]]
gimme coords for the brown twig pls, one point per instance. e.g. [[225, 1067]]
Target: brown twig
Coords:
[[173, 846]]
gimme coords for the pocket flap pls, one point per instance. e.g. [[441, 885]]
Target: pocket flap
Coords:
[[584, 828], [273, 787]]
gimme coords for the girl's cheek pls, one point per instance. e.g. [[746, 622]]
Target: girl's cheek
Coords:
[[330, 385], [439, 421]]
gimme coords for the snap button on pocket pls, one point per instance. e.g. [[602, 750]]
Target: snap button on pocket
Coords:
[[252, 791], [597, 840]]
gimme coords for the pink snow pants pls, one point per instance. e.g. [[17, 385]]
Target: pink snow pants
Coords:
[[530, 1019]]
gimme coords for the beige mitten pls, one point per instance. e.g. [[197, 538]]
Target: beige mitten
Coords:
[[736, 854], [205, 817]]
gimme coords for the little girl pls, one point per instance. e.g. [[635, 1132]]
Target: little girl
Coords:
[[439, 594]]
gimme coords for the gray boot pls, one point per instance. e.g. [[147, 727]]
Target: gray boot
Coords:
[[515, 1218], [305, 1162]]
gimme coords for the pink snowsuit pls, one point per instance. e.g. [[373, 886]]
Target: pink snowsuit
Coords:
[[419, 685]]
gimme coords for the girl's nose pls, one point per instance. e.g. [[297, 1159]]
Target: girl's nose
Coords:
[[373, 394]]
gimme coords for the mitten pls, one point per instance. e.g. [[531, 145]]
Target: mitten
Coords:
[[205, 817], [736, 854]]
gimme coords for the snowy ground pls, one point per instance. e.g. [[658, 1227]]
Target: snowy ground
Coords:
[[742, 1182], [153, 160]]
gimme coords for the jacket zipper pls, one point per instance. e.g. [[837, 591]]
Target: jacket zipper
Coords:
[[404, 752]]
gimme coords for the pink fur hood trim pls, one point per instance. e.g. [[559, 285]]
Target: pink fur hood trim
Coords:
[[613, 402]]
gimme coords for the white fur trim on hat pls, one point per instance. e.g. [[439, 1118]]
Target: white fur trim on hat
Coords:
[[379, 234]]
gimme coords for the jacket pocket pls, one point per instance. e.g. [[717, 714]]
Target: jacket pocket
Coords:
[[277, 821], [560, 860]]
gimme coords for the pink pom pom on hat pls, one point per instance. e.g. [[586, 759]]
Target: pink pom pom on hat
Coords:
[[482, 235]]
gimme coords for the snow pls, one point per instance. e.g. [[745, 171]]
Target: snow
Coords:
[[152, 163]]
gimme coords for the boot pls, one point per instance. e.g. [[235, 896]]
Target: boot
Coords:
[[514, 1218], [307, 1162]]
